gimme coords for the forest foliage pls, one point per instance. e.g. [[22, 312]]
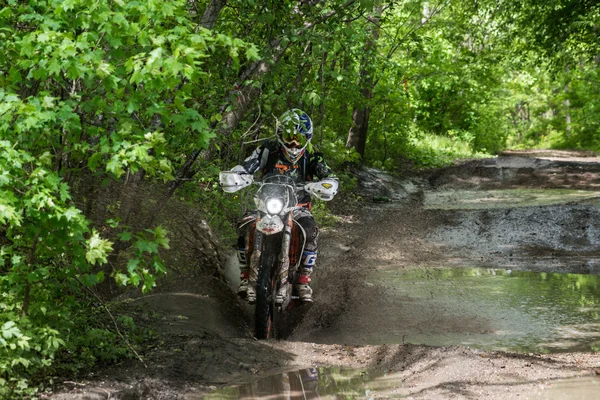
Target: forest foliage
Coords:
[[98, 93]]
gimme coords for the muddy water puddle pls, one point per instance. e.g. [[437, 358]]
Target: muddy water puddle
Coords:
[[340, 383], [583, 388], [492, 309], [505, 198], [313, 383]]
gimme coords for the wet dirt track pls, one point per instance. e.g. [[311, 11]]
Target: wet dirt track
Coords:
[[493, 213]]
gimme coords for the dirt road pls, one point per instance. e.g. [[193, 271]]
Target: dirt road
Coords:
[[526, 213]]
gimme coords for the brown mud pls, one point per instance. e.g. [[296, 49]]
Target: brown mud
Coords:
[[204, 333]]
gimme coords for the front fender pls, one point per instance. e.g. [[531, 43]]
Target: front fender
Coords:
[[270, 224]]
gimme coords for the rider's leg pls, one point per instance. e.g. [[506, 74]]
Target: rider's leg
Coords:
[[245, 290], [309, 256], [241, 254]]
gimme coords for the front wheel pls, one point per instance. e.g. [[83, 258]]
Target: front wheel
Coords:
[[265, 287]]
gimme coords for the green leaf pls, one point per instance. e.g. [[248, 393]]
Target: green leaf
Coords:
[[125, 236], [97, 249], [71, 213], [132, 265], [127, 321], [48, 102], [10, 330], [135, 278], [54, 68], [252, 53], [113, 222], [104, 69], [160, 237], [8, 214], [121, 279], [147, 246], [159, 267], [149, 283], [114, 165]]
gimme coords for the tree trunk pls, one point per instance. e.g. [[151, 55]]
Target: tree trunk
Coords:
[[357, 137], [567, 106], [346, 64], [567, 113], [211, 13]]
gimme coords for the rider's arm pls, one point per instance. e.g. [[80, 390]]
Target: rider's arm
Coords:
[[319, 168], [257, 160]]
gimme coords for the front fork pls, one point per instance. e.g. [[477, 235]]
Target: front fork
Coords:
[[255, 257], [284, 261], [281, 271]]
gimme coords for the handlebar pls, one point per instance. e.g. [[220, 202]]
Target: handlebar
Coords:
[[232, 181]]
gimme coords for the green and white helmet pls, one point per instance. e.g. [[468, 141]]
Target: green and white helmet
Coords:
[[294, 133]]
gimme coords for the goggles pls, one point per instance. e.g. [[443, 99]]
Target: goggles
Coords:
[[292, 138]]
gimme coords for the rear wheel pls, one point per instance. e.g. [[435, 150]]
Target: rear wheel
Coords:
[[265, 288]]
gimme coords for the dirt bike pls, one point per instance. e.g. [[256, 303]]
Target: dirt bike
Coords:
[[276, 240]]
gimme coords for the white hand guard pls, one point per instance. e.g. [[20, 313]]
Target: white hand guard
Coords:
[[234, 180], [325, 189]]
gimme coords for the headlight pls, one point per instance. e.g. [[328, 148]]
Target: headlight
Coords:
[[274, 205]]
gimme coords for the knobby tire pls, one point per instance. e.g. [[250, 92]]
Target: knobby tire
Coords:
[[265, 287]]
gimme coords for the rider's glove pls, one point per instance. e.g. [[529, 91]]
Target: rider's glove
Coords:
[[240, 169]]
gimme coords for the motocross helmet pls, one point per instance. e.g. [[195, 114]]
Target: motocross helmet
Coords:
[[294, 132]]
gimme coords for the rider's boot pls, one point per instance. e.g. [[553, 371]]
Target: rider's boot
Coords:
[[251, 292], [303, 289]]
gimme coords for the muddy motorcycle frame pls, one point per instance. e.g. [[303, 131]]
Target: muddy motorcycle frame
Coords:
[[272, 253]]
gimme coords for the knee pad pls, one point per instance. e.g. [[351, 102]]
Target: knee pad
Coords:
[[309, 259], [241, 254]]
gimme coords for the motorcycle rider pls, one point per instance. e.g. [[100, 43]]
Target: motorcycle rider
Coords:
[[292, 154]]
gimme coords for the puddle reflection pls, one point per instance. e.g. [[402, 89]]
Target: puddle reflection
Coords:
[[311, 383], [498, 309], [342, 383]]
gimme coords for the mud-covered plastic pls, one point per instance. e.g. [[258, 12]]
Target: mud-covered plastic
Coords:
[[232, 181], [324, 189]]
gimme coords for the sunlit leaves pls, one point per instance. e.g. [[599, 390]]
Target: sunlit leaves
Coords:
[[119, 59], [97, 249], [8, 213], [10, 330], [128, 152]]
